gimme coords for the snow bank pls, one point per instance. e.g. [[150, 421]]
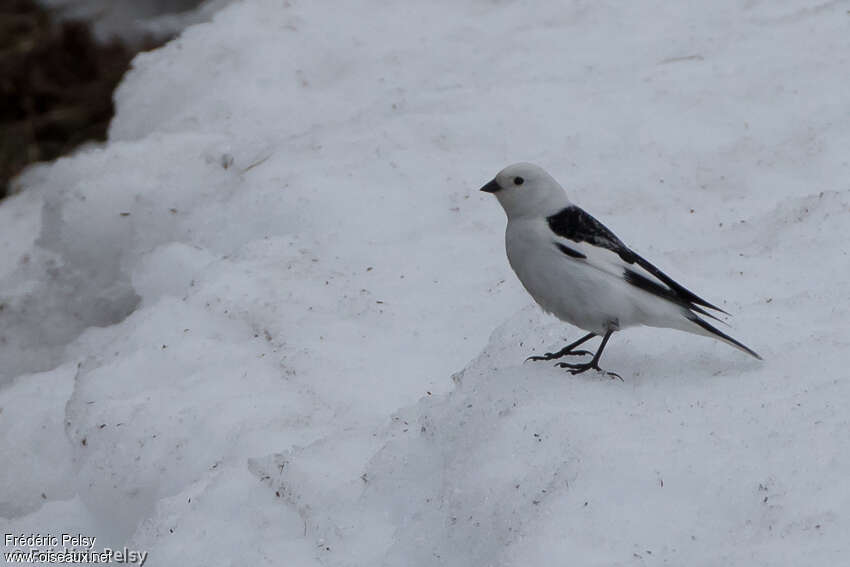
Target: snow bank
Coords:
[[259, 323]]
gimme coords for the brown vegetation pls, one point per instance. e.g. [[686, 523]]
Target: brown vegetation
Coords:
[[56, 86]]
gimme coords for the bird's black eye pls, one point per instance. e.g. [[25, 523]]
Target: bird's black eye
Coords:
[[518, 180]]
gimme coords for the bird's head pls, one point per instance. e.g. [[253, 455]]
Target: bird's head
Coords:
[[526, 190]]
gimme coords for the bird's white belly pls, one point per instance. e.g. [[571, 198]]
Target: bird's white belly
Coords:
[[569, 289]]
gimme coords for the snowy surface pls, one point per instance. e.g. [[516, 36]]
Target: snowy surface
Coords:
[[271, 321]]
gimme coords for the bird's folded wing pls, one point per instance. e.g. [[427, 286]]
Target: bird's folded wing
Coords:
[[584, 239]]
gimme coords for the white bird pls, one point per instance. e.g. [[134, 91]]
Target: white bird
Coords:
[[578, 270]]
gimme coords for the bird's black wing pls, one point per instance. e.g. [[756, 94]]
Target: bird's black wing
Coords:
[[575, 224]]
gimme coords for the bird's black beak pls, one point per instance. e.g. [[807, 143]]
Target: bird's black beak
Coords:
[[491, 187]]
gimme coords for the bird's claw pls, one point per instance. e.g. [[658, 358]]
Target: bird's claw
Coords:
[[554, 355], [579, 368]]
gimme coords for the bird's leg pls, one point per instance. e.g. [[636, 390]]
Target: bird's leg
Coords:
[[566, 351], [593, 364]]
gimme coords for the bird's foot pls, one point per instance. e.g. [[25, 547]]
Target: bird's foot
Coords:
[[579, 368], [556, 355]]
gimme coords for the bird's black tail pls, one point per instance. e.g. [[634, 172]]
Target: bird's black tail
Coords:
[[705, 328]]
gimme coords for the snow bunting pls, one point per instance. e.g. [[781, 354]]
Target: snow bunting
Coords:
[[578, 270]]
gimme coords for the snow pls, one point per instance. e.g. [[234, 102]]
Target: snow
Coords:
[[135, 20], [271, 320]]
